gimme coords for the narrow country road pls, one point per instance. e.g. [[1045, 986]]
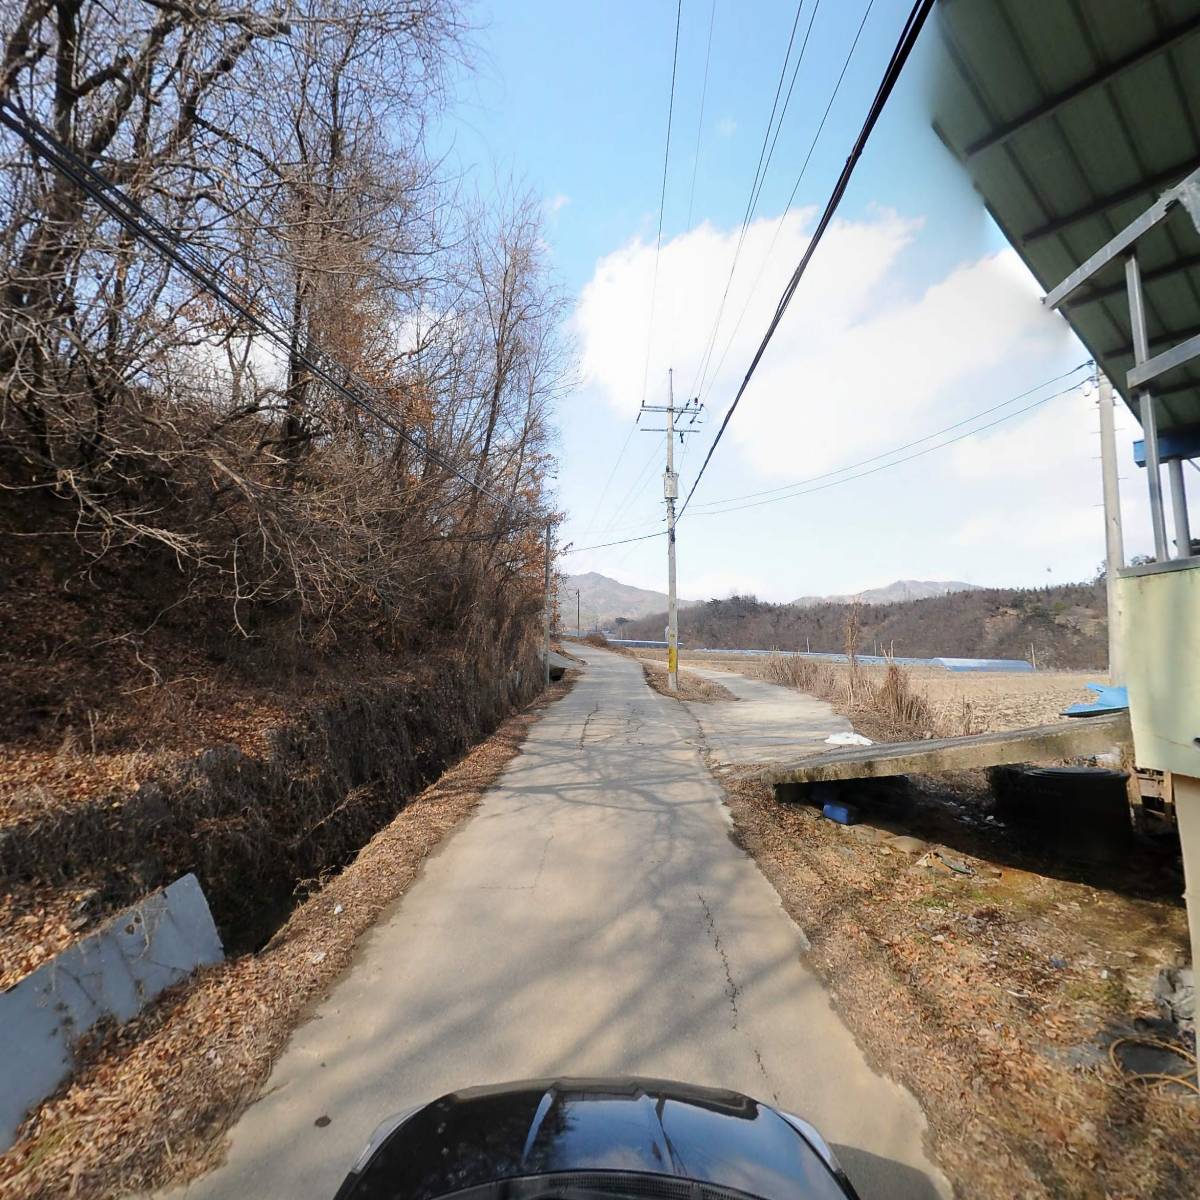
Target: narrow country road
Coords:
[[593, 917]]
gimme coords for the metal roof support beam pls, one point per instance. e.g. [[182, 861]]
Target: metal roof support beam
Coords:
[[1167, 340], [1137, 318], [1096, 207], [1179, 509], [1185, 192], [1160, 364], [1106, 74], [1093, 295]]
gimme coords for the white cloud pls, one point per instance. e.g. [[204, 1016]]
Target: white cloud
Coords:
[[555, 204], [726, 127], [857, 362]]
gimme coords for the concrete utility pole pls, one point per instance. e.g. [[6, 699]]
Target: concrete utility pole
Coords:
[[578, 623], [546, 614], [1114, 542], [671, 494]]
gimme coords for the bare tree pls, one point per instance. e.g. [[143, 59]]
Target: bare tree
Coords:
[[285, 144]]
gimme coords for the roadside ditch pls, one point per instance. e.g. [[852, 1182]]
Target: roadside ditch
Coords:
[[300, 850]]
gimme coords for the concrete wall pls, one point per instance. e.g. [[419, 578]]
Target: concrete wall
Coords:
[[115, 972]]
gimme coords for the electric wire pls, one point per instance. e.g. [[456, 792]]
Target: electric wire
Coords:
[[897, 462], [712, 15], [837, 87], [757, 194], [787, 487], [750, 202], [153, 233], [806, 490], [662, 202], [908, 37]]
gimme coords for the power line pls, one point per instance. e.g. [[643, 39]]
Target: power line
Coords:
[[805, 490], [897, 462], [662, 201], [153, 233], [908, 37], [758, 189], [837, 87], [712, 15], [632, 493], [787, 487], [751, 200], [622, 542], [611, 475]]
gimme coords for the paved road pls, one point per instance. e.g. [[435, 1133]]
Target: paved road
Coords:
[[766, 723], [593, 917]]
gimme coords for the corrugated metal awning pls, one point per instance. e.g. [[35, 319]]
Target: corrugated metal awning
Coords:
[[1071, 117]]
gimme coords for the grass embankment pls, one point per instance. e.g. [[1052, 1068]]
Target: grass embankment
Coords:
[[152, 1099]]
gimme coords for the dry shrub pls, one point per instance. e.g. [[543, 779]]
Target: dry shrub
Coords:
[[253, 826], [893, 704], [596, 639], [691, 686]]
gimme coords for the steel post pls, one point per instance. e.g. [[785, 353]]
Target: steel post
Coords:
[[1114, 542], [1179, 509], [1141, 352]]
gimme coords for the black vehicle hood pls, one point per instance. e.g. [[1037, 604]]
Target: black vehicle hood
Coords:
[[538, 1127]]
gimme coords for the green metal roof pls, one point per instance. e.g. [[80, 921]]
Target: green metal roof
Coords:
[[1071, 117]]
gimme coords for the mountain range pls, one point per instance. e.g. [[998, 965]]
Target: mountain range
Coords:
[[602, 600], [894, 593]]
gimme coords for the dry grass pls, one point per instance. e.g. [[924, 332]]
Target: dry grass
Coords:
[[692, 687], [886, 699], [948, 984], [154, 1097], [898, 702]]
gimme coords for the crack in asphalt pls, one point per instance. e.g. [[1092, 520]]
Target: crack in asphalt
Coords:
[[731, 988], [586, 722], [732, 991]]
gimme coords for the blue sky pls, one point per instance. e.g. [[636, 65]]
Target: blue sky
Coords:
[[914, 314]]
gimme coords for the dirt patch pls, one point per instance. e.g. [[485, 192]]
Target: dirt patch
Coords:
[[154, 1097], [691, 686], [987, 997]]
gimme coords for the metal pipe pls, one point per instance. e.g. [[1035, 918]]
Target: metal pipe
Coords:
[[1141, 352], [1179, 509], [1114, 542]]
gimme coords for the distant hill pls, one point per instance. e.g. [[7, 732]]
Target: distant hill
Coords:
[[602, 600], [894, 593], [1066, 625]]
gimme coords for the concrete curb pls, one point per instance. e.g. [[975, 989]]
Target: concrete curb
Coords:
[[115, 972]]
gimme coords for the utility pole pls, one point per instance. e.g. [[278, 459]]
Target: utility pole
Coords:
[[578, 624], [690, 409], [546, 614], [1114, 543]]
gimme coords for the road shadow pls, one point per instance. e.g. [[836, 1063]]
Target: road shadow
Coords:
[[878, 1178]]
